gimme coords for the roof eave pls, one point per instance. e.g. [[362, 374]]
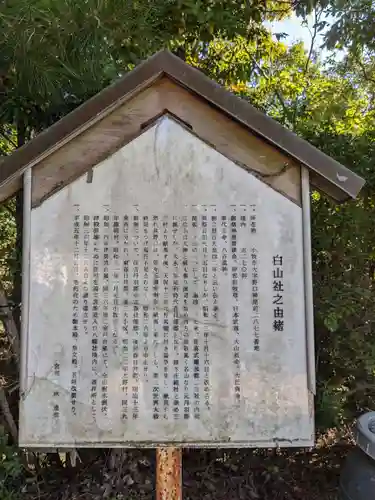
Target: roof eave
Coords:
[[345, 183]]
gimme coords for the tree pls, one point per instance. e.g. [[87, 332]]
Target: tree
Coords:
[[288, 84], [349, 22], [92, 42]]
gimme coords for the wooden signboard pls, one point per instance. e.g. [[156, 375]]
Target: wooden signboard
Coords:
[[167, 304], [167, 296]]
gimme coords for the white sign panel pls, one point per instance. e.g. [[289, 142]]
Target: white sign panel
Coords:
[[166, 305]]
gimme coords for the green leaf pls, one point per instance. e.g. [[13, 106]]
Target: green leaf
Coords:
[[331, 322]]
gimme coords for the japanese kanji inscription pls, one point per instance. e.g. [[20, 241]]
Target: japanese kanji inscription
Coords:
[[166, 304]]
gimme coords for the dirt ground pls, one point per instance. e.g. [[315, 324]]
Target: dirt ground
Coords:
[[207, 475]]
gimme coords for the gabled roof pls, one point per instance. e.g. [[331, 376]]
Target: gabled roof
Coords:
[[325, 173]]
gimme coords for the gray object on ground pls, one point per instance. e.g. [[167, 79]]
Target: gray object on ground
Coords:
[[357, 481]]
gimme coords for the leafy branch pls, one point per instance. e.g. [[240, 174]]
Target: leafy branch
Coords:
[[267, 76], [313, 33]]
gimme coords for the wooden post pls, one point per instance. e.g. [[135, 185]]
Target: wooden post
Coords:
[[168, 473]]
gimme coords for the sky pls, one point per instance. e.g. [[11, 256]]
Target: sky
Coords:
[[297, 32]]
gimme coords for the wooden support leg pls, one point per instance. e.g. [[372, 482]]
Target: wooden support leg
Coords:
[[168, 473]]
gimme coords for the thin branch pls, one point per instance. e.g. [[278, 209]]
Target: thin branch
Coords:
[[4, 405], [277, 93], [314, 34], [265, 75]]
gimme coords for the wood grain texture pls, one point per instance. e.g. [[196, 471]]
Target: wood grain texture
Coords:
[[125, 123]]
